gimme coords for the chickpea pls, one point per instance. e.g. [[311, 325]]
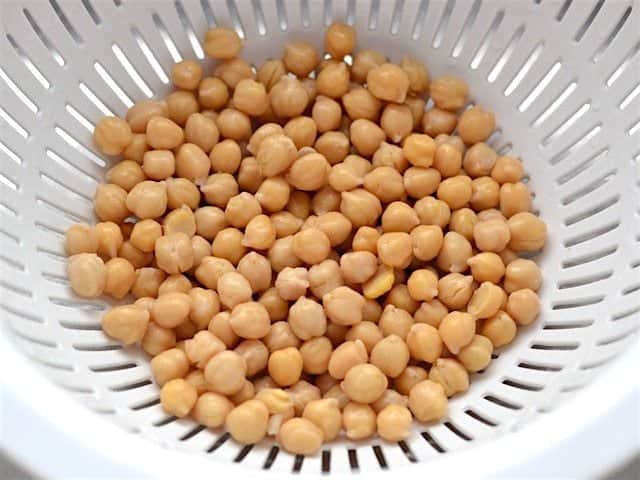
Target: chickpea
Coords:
[[302, 130], [261, 133], [211, 409], [437, 121], [285, 366], [431, 312], [455, 290], [204, 305], [367, 332], [326, 113], [420, 182], [360, 207], [307, 319], [285, 223], [325, 277], [455, 191], [248, 422], [366, 239], [394, 423], [275, 399], [126, 174], [175, 283], [309, 172], [80, 238], [220, 326], [178, 397], [137, 148], [138, 115], [186, 75], [110, 203], [386, 183], [181, 191], [299, 204], [219, 188], [233, 289], [500, 329], [202, 347], [181, 105], [281, 254], [326, 416], [343, 306], [243, 208], [520, 274], [463, 221], [250, 97], [333, 80], [394, 249], [211, 269], [348, 174], [364, 61], [171, 309], [491, 235], [225, 156], [364, 383], [174, 252], [358, 267], [213, 93], [476, 125], [222, 43], [457, 330], [147, 282], [395, 321], [87, 274], [228, 244], [316, 353], [273, 194], [514, 198], [257, 270], [451, 375], [157, 339], [292, 283], [390, 355], [479, 160], [397, 122], [424, 342], [147, 199], [120, 277], [455, 252], [523, 306], [180, 220], [366, 136], [333, 145], [301, 394], [270, 72], [486, 193], [419, 149], [158, 164], [288, 97], [449, 93], [423, 285], [426, 241], [507, 170], [409, 377], [209, 221], [388, 155], [359, 103], [255, 353], [346, 356], [427, 401], [250, 320], [325, 382], [164, 134], [225, 372], [359, 421], [477, 355], [388, 82], [335, 226], [380, 283], [300, 436], [233, 71], [234, 124], [339, 40], [447, 160], [112, 135], [300, 58], [275, 155], [311, 245], [169, 365], [126, 323], [486, 300], [487, 267], [491, 214], [281, 336], [528, 232]]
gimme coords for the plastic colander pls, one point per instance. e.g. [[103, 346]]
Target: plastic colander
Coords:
[[563, 79]]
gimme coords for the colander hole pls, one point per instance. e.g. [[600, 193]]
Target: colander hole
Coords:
[[486, 40], [539, 367], [382, 461], [627, 335], [79, 147], [79, 117], [282, 15], [353, 459], [396, 17], [30, 338], [8, 152], [480, 418], [562, 347], [600, 181], [582, 141], [633, 129], [12, 263], [631, 289], [506, 54], [113, 85], [326, 461], [431, 441], [442, 25], [148, 54], [91, 11], [607, 41], [5, 234], [90, 327], [416, 31], [563, 10], [597, 363], [407, 451], [623, 65], [539, 87], [131, 386], [456, 430], [188, 28], [76, 388], [568, 325], [522, 385], [554, 105], [20, 130], [112, 367], [464, 31], [65, 22], [131, 70], [577, 303], [19, 93], [586, 280], [208, 13], [164, 421], [502, 403], [146, 404], [297, 463], [35, 71], [21, 313], [522, 73], [166, 38], [271, 457], [564, 125], [16, 289], [241, 454], [89, 347], [588, 22]]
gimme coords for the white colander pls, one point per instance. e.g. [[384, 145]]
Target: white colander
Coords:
[[563, 79]]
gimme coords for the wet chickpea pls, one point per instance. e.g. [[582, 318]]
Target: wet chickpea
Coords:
[[390, 397], [110, 239], [325, 277], [333, 80], [431, 312], [449, 93], [507, 170], [455, 290], [158, 164], [138, 115], [522, 273], [395, 321], [250, 97], [395, 249], [171, 309], [174, 252], [359, 103], [388, 82], [455, 252], [285, 366], [367, 332], [204, 305], [164, 134], [302, 130], [213, 93], [476, 125], [479, 160], [219, 188], [233, 71], [360, 207], [288, 97], [420, 182], [427, 401], [285, 223], [270, 72], [514, 198], [397, 122], [447, 160], [311, 245], [300, 58], [486, 193], [300, 436], [181, 191], [389, 155], [390, 355], [491, 235], [157, 339], [182, 105], [211, 269], [275, 154], [209, 221], [126, 323], [126, 174], [366, 239], [394, 423], [292, 283], [255, 354], [528, 232], [451, 374], [417, 73], [380, 283], [241, 209], [399, 217], [326, 113], [423, 285], [257, 270], [87, 274], [359, 421], [202, 347], [110, 203], [225, 372], [234, 124], [281, 254], [477, 355], [186, 75], [222, 43], [148, 281], [80, 238], [409, 377], [426, 241], [120, 276], [281, 336], [301, 394], [491, 214], [233, 289], [358, 267], [178, 397], [500, 329], [366, 136], [437, 121], [455, 191], [136, 148], [463, 221], [307, 319], [309, 172], [364, 383], [220, 326], [335, 226], [180, 220], [112, 135], [248, 422], [486, 300], [363, 62], [457, 330], [343, 306], [339, 40], [333, 145], [250, 320], [348, 174], [386, 183], [487, 267], [168, 365], [211, 409], [225, 157], [175, 283], [273, 194], [316, 353], [523, 306], [228, 245], [419, 149]]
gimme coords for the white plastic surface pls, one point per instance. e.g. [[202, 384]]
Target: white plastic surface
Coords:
[[563, 80]]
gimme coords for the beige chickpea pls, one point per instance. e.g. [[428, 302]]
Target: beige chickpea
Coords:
[[514, 198], [275, 154], [423, 285], [80, 238], [455, 290], [270, 72], [449, 93], [281, 254], [420, 182], [300, 58], [335, 226], [426, 241], [309, 172], [431, 312], [417, 73], [395, 249], [233, 71], [397, 122], [241, 209], [343, 306], [147, 199], [455, 252], [316, 353], [225, 156], [112, 135], [507, 170], [476, 125], [168, 365], [204, 305], [437, 121], [301, 394], [486, 193], [273, 194], [358, 267], [522, 273], [247, 392], [148, 281], [196, 378], [364, 61], [137, 148], [299, 204], [366, 136], [281, 336], [186, 75], [288, 97], [158, 164], [174, 252], [164, 134], [427, 401], [225, 372], [211, 409], [346, 356], [366, 239], [126, 323], [491, 214], [300, 436], [292, 283], [181, 191], [228, 244], [285, 366], [178, 397], [126, 174], [261, 133], [359, 103], [491, 235], [388, 82], [500, 329], [181, 104], [110, 203], [285, 223], [275, 399], [201, 131], [87, 274], [277, 307], [311, 245], [339, 40], [326, 113], [455, 191], [219, 188], [250, 97], [157, 339], [325, 277], [250, 320], [477, 355], [364, 383], [394, 423], [234, 124], [302, 130], [222, 43], [348, 174], [211, 269], [447, 160], [395, 321], [233, 289], [528, 232], [390, 355], [359, 421], [180, 220], [389, 397], [409, 377], [479, 160], [486, 300], [257, 270], [463, 221], [424, 342], [416, 107], [457, 330], [333, 145], [136, 257], [367, 332], [307, 319], [220, 326], [487, 267], [120, 277], [360, 207], [202, 347], [451, 374], [325, 415], [213, 93], [380, 283], [209, 221], [399, 217], [389, 155], [523, 306], [333, 80], [175, 283], [248, 422], [419, 149], [171, 309], [138, 115], [386, 183]]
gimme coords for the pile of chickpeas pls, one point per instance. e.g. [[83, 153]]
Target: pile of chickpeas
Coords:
[[312, 251]]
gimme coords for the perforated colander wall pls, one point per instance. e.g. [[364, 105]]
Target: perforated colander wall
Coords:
[[561, 76]]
